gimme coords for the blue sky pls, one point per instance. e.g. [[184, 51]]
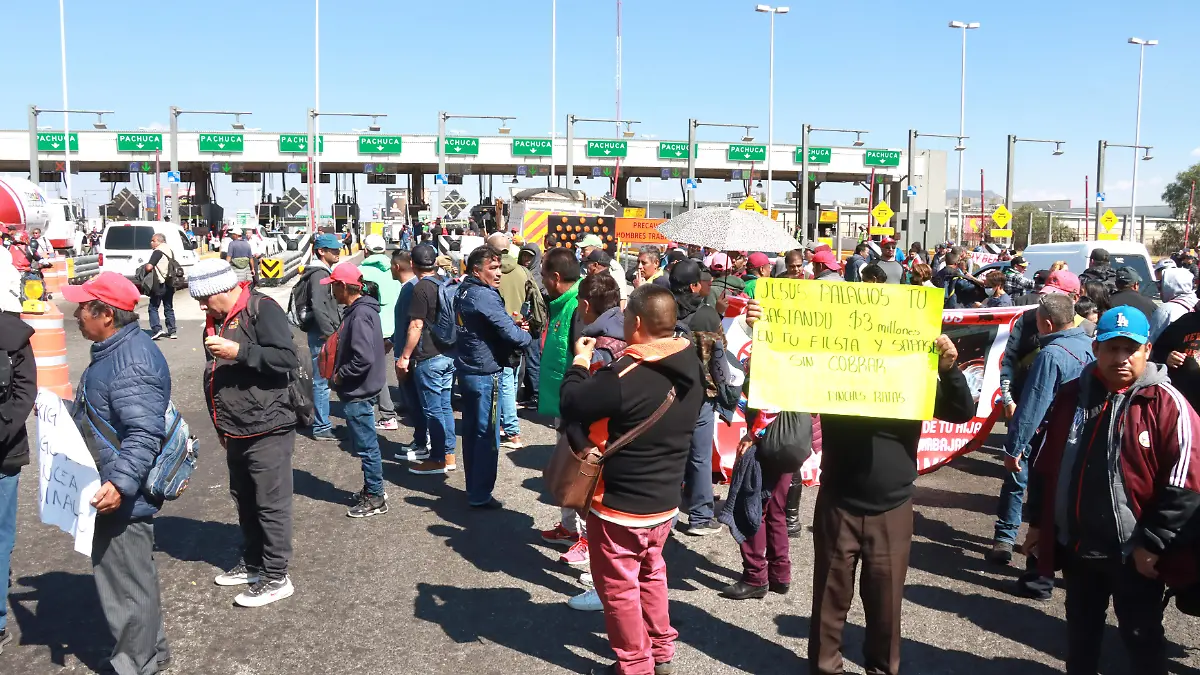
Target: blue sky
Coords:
[[1058, 69]]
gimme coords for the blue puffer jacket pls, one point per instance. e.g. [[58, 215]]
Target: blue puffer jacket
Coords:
[[128, 386], [487, 334]]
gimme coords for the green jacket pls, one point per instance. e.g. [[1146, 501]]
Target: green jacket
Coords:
[[513, 278], [378, 268], [556, 350]]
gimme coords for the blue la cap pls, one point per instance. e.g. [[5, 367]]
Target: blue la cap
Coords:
[[1123, 321], [328, 241]]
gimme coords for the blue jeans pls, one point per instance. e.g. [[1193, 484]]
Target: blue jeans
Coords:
[[509, 424], [697, 473], [416, 410], [434, 379], [166, 298], [8, 537], [320, 387], [364, 440], [1012, 497], [480, 434], [533, 366]]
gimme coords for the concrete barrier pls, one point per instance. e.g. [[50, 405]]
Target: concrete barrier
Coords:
[[81, 268], [280, 268]]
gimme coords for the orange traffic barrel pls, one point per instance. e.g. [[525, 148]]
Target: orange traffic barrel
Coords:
[[49, 343], [56, 277]]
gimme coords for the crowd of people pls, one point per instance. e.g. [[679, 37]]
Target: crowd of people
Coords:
[[636, 360]]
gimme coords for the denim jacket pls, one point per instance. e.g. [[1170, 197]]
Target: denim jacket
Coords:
[[1062, 357]]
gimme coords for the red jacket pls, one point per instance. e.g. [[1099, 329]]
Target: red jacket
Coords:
[[1159, 470]]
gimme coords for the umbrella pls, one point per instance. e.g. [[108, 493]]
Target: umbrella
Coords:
[[727, 229]]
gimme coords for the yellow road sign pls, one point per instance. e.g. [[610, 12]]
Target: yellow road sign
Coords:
[[1109, 219], [1001, 216], [828, 241], [889, 231], [638, 212], [828, 217], [883, 213], [1108, 236], [750, 204], [1001, 234], [271, 268]]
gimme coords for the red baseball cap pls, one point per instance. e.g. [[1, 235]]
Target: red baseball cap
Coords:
[[107, 287], [347, 274], [758, 259], [826, 258], [720, 262], [1061, 281], [886, 240]]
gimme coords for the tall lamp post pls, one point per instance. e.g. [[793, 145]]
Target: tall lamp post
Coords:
[[174, 112], [1137, 132], [34, 111], [1008, 172], [1101, 153], [314, 155], [571, 120], [913, 134], [803, 201], [962, 114], [771, 95], [441, 146], [693, 124]]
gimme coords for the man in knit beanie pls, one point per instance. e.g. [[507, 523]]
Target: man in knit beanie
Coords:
[[250, 355]]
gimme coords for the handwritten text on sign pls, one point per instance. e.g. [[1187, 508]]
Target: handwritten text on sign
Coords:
[[640, 231], [67, 474], [846, 348]]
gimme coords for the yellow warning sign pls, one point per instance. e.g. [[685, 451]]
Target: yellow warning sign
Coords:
[[271, 268], [638, 212], [829, 217], [1108, 236], [1001, 234], [750, 204], [883, 213], [876, 230], [1109, 219], [828, 241], [1001, 217]]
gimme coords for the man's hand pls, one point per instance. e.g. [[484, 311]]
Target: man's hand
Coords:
[[107, 499], [1176, 359], [1030, 546], [947, 353], [1010, 411], [402, 367], [1145, 562], [1012, 464], [584, 346], [221, 347], [742, 446], [753, 312]]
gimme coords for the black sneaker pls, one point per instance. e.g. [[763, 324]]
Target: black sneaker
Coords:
[[703, 529], [159, 334], [1001, 553], [265, 592], [173, 335], [368, 505], [5, 638], [240, 575], [358, 496]]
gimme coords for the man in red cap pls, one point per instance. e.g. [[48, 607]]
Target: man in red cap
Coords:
[[758, 267], [125, 390], [358, 376], [888, 263], [826, 266]]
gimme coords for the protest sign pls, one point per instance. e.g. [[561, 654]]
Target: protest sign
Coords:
[[846, 348], [640, 231], [67, 475]]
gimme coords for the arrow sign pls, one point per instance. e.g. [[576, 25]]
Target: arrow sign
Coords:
[[1100, 196], [226, 168], [146, 167]]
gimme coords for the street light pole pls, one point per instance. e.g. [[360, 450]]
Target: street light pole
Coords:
[[174, 112], [959, 147], [771, 96], [441, 146], [62, 40], [553, 83], [1010, 169], [962, 116], [1137, 132], [807, 130], [693, 150]]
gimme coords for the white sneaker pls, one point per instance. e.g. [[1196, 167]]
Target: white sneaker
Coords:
[[387, 425], [265, 592], [240, 575], [586, 580], [586, 602]]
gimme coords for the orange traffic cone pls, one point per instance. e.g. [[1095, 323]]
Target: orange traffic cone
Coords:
[[50, 351]]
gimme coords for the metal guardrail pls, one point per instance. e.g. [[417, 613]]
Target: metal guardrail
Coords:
[[82, 267], [279, 269]]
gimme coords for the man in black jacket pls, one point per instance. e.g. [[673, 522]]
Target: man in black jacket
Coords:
[[1129, 284], [18, 388], [359, 373], [703, 325], [1100, 270], [250, 353], [324, 319], [864, 512]]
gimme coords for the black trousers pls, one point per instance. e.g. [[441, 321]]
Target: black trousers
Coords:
[[1138, 603], [260, 481], [127, 583]]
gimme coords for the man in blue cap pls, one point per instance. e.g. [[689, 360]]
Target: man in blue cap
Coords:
[[1112, 493], [319, 318]]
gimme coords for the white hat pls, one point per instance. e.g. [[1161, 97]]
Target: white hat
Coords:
[[375, 243], [209, 277]]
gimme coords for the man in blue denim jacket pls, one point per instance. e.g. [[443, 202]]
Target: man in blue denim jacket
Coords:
[[1064, 351], [127, 386]]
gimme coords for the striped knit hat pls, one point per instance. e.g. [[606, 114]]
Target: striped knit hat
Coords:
[[210, 277]]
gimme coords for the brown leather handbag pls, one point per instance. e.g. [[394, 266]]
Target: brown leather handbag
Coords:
[[572, 476]]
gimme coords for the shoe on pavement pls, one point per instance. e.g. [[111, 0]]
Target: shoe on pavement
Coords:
[[451, 463], [159, 334], [174, 336], [239, 575], [410, 452], [265, 592], [587, 580], [664, 668], [326, 436], [560, 536], [491, 504], [779, 587], [588, 601], [512, 442], [1001, 553], [387, 425], [357, 496], [703, 529], [368, 505], [428, 467], [5, 638], [743, 591], [577, 555]]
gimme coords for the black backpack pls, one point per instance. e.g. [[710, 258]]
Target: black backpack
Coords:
[[300, 381], [299, 309], [176, 277], [787, 442]]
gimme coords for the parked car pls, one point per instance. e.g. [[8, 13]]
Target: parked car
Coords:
[[125, 245], [1077, 254]]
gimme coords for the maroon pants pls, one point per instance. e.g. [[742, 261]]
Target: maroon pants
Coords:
[[841, 540], [765, 556], [631, 579]]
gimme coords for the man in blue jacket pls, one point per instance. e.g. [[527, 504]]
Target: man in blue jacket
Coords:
[[488, 341], [127, 386], [1064, 351], [358, 376]]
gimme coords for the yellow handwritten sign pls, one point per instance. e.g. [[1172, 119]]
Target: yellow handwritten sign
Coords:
[[846, 348]]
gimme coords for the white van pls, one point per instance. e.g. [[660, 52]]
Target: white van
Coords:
[[1077, 253], [125, 245]]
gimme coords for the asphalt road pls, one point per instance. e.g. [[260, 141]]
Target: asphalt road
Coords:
[[434, 588]]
